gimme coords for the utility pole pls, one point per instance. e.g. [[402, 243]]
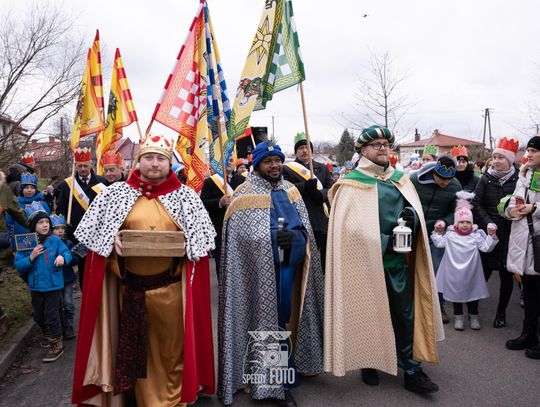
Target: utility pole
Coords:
[[487, 125]]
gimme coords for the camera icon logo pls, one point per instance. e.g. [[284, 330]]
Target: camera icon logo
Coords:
[[276, 355]]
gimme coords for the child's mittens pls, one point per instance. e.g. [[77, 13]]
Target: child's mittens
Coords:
[[439, 226], [491, 229]]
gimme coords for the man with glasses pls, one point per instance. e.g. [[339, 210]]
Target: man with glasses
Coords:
[[381, 308]]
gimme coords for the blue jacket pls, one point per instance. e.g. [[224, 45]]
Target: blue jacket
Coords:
[[13, 227], [69, 273], [41, 274]]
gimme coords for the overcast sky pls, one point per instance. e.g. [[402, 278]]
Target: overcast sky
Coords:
[[461, 56]]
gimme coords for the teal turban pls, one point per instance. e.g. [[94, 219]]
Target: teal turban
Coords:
[[372, 133]]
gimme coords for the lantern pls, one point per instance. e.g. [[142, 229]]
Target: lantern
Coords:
[[402, 237]]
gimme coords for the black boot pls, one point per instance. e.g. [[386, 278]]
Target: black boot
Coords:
[[289, 400], [419, 382], [533, 352], [370, 377], [527, 339]]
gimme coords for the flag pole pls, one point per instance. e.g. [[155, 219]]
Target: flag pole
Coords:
[[71, 191], [308, 142], [221, 151]]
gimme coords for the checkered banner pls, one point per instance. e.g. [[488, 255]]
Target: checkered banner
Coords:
[[184, 98]]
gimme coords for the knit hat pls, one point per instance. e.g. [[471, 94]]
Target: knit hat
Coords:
[[300, 140], [463, 207], [507, 148], [266, 149], [372, 133], [534, 143], [445, 167], [34, 213]]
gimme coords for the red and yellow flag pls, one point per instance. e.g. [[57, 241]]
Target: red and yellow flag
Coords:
[[95, 69], [121, 111], [88, 117]]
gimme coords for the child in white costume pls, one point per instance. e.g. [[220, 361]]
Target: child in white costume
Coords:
[[460, 277]]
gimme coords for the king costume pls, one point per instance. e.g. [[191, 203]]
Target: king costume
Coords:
[[260, 293], [145, 324], [381, 308]]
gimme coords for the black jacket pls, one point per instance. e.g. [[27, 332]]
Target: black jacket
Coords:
[[467, 179], [488, 194], [77, 211], [317, 218], [210, 196]]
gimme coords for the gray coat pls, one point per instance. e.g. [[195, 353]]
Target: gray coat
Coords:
[[520, 254]]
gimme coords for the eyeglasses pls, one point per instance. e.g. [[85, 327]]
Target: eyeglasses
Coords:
[[380, 146]]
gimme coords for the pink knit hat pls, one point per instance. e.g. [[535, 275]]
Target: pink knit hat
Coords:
[[463, 207]]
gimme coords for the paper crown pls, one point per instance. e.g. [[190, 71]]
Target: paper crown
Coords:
[[241, 161], [83, 155], [393, 159], [159, 144], [31, 210], [29, 179], [459, 151], [28, 159], [58, 220], [509, 144], [111, 158], [445, 171], [430, 149], [299, 137]]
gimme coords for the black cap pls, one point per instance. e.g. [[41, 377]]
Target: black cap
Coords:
[[534, 143]]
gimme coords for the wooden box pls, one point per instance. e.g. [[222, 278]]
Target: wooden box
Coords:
[[146, 243]]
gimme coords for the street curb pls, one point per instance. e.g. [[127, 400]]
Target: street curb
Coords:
[[14, 346]]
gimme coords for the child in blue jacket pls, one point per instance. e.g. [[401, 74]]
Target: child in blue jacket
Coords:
[[42, 269], [68, 306]]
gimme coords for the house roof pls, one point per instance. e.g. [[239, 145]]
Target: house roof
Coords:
[[442, 140], [128, 149], [46, 151]]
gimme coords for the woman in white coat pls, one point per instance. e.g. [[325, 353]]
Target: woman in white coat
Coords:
[[520, 252]]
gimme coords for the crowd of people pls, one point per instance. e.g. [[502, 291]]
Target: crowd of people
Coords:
[[312, 274]]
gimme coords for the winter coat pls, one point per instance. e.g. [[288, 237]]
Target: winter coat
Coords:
[[14, 228], [520, 258], [14, 175], [8, 205], [41, 274], [488, 194], [467, 179], [67, 270], [437, 203]]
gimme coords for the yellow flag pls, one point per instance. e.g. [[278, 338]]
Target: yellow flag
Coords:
[[88, 118]]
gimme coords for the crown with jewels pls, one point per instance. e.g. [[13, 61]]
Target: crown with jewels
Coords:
[[508, 144], [393, 159], [430, 149], [83, 155], [29, 179], [58, 220], [159, 144], [31, 210], [459, 151], [28, 159], [111, 158]]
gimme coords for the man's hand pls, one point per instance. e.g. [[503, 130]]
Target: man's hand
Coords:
[[225, 201], [408, 216], [312, 190], [59, 261], [39, 249], [118, 243], [284, 239]]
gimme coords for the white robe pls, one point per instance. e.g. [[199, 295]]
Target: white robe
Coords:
[[460, 277]]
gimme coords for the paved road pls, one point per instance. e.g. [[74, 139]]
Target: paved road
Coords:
[[475, 370]]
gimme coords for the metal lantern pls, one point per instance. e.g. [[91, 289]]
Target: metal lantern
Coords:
[[402, 237]]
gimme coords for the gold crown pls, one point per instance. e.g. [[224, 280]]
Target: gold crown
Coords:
[[159, 144]]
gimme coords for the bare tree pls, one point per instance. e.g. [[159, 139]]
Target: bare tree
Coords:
[[40, 69], [378, 97]]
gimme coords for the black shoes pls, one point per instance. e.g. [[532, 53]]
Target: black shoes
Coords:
[[370, 377], [289, 400], [533, 352], [500, 320], [524, 341], [419, 382]]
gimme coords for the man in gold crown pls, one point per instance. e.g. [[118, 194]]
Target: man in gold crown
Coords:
[[113, 167], [145, 332], [84, 190]]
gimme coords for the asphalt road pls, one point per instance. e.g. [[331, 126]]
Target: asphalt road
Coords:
[[475, 370]]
